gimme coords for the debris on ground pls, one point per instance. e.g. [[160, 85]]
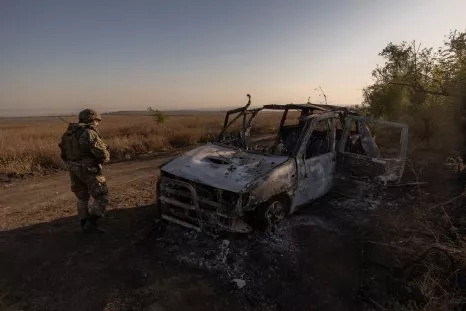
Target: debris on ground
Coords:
[[239, 283]]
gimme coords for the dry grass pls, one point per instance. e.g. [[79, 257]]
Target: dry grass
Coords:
[[425, 238], [31, 144]]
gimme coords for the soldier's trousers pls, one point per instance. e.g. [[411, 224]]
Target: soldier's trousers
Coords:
[[86, 182]]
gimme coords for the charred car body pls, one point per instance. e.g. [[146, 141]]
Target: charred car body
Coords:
[[239, 181]]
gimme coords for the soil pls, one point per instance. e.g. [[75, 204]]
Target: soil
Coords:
[[315, 260]]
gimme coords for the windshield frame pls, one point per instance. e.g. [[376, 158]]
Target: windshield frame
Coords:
[[241, 139]]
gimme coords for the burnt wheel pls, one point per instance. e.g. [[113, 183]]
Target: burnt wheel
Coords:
[[272, 212]]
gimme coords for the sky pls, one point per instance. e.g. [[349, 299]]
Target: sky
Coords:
[[63, 56]]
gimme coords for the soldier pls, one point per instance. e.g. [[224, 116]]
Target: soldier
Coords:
[[84, 152]]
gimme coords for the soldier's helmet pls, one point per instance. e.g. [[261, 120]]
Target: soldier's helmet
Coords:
[[89, 115]]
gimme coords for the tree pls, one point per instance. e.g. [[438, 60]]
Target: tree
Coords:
[[158, 116], [421, 86]]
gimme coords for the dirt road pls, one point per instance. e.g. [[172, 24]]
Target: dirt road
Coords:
[[43, 199], [46, 263]]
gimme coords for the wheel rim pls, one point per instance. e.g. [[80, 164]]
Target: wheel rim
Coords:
[[275, 213]]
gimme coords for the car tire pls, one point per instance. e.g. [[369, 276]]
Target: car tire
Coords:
[[272, 212]]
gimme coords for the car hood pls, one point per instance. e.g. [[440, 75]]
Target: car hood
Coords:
[[222, 167]]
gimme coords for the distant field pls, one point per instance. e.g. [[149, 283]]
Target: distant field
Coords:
[[181, 112], [31, 144]]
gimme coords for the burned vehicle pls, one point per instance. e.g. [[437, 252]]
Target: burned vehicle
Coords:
[[250, 176]]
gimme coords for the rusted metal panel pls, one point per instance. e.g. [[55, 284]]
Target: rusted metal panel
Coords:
[[315, 174], [315, 178], [281, 180], [223, 167]]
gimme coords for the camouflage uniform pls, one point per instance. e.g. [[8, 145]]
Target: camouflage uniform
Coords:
[[84, 152]]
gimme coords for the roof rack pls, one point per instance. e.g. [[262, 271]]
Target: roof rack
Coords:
[[309, 106]]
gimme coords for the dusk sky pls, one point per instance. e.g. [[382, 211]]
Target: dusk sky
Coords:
[[62, 56]]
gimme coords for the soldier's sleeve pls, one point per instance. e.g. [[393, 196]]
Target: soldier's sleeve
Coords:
[[98, 147]]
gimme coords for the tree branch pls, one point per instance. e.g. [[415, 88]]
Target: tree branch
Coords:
[[423, 90]]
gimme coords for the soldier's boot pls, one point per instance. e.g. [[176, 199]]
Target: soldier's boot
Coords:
[[87, 226], [83, 209], [93, 226]]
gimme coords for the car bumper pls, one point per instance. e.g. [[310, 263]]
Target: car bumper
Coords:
[[178, 202]]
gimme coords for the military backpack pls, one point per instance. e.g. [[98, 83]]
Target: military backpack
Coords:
[[69, 145]]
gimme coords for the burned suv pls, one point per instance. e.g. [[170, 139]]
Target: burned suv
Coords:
[[268, 162]]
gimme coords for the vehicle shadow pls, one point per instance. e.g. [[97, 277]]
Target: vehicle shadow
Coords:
[[54, 266], [141, 265]]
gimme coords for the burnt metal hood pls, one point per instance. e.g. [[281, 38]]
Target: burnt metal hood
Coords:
[[222, 167]]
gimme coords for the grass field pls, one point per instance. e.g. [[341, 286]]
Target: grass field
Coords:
[[31, 144]]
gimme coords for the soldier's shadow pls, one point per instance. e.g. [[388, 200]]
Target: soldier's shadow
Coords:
[[55, 266]]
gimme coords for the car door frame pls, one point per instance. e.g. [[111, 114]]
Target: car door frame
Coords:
[[393, 167], [314, 174]]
